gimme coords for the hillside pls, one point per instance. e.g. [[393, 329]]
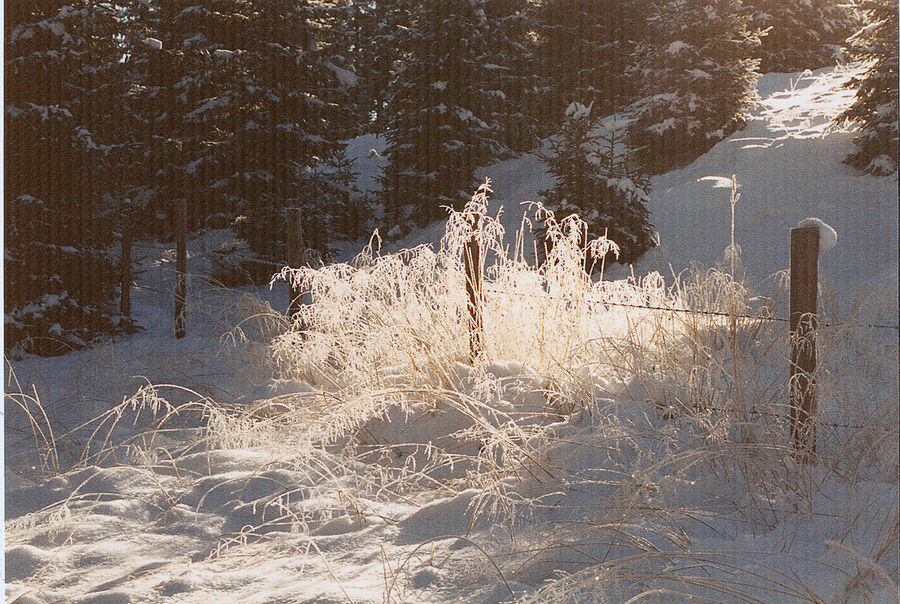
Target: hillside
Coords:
[[788, 164]]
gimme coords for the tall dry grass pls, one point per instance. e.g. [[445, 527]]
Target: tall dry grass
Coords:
[[606, 428]]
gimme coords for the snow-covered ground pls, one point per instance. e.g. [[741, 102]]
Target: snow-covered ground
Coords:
[[569, 484]]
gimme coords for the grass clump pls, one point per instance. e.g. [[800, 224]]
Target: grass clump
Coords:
[[622, 440]]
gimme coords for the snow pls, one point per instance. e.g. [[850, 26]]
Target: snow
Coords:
[[617, 492], [67, 11], [153, 43], [49, 111], [192, 166], [20, 33], [577, 111], [676, 47], [699, 74], [346, 79], [466, 115], [616, 123], [223, 53], [210, 105], [827, 235], [788, 162], [661, 127], [367, 152], [197, 40], [882, 165], [718, 182]]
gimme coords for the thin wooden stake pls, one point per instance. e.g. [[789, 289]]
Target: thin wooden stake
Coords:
[[803, 320], [472, 262], [294, 256], [180, 267], [125, 270]]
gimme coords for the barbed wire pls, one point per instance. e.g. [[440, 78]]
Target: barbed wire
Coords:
[[687, 310], [750, 411]]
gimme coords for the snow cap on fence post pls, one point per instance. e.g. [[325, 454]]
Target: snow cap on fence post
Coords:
[[827, 235]]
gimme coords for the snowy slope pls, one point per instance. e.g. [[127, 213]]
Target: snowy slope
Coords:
[[787, 162], [616, 493]]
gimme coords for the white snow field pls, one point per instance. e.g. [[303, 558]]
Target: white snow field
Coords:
[[595, 451]]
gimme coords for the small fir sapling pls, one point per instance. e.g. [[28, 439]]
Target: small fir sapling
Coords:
[[596, 178]]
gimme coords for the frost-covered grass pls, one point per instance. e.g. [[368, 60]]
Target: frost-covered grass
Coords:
[[631, 428], [596, 450]]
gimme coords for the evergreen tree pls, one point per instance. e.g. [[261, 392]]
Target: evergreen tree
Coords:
[[512, 73], [437, 111], [800, 34], [875, 107], [376, 28], [585, 49], [241, 105], [596, 178], [61, 153], [698, 80]]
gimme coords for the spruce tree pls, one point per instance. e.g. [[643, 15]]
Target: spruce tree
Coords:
[[598, 179], [585, 49], [512, 73], [801, 34], [60, 190], [243, 105], [376, 27], [438, 112], [875, 106], [698, 79]]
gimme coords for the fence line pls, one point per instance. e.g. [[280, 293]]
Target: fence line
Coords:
[[282, 265], [684, 310], [781, 416]]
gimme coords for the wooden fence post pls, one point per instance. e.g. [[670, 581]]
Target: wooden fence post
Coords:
[[294, 257], [804, 285], [125, 270], [472, 263], [180, 267]]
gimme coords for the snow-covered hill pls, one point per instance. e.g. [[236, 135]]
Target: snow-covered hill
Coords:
[[569, 482], [788, 165], [787, 162]]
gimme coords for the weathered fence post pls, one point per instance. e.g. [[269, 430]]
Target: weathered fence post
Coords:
[[472, 263], [125, 270], [294, 257], [804, 284], [180, 267]]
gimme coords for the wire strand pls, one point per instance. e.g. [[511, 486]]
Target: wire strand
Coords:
[[686, 310]]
